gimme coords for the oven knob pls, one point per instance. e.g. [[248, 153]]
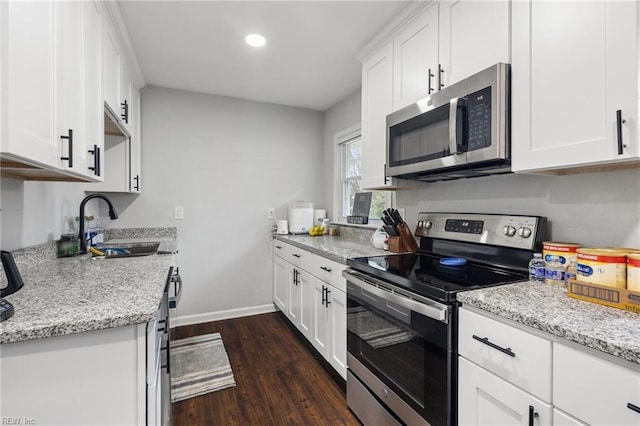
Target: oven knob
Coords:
[[524, 232], [420, 224], [509, 231], [428, 224]]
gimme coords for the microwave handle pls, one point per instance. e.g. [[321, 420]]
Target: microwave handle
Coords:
[[456, 138]]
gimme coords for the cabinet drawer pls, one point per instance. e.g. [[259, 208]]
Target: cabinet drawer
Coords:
[[300, 257], [330, 272], [280, 249], [594, 390], [521, 358]]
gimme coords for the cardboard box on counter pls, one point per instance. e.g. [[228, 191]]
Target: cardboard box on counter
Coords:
[[619, 298]]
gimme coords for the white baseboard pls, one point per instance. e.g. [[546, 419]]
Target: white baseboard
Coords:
[[222, 315]]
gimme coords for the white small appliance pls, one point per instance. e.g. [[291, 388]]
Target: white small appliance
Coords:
[[283, 227], [300, 217]]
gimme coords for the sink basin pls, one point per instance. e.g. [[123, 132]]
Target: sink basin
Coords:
[[129, 250]]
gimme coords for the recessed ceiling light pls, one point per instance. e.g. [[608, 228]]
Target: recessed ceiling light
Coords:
[[255, 40]]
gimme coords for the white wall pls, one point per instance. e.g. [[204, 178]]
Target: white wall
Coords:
[[341, 116], [35, 212], [225, 161], [594, 209]]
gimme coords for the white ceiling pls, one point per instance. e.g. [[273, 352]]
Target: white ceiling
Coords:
[[309, 60]]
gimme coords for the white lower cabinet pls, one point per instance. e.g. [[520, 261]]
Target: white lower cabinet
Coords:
[[509, 374], [594, 390], [311, 293], [486, 399]]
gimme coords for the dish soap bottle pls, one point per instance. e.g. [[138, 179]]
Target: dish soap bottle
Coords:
[[537, 270]]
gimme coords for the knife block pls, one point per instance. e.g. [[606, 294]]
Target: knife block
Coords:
[[407, 237], [397, 245]]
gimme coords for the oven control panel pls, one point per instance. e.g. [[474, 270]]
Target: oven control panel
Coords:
[[524, 232]]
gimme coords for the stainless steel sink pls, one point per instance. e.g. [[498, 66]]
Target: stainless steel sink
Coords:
[[129, 250]]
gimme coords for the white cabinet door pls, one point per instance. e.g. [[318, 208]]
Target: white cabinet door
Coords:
[[136, 160], [305, 287], [28, 96], [70, 89], [321, 330], [111, 67], [280, 283], [593, 389], [485, 399], [93, 100], [377, 102], [563, 419], [574, 64], [474, 35], [337, 354], [415, 59]]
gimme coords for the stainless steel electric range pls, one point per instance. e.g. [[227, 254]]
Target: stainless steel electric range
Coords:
[[402, 312]]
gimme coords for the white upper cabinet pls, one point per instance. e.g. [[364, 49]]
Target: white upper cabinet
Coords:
[[27, 33], [474, 35], [377, 98], [111, 68], [135, 172], [574, 66], [49, 124], [415, 63]]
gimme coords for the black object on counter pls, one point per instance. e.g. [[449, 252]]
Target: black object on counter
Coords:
[[6, 310], [14, 278]]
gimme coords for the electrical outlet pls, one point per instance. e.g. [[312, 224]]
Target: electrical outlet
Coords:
[[178, 212], [271, 213]]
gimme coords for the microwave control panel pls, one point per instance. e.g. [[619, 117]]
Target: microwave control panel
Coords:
[[479, 119]]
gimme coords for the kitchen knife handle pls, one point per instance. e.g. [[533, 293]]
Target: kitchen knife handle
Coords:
[[407, 237]]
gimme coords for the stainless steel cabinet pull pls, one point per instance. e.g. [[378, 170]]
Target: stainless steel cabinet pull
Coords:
[[633, 407], [69, 137], [486, 341], [532, 414], [619, 121]]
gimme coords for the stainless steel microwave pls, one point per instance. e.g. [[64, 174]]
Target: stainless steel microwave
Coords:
[[461, 131]]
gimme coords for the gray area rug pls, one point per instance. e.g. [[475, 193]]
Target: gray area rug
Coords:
[[377, 331], [199, 365]]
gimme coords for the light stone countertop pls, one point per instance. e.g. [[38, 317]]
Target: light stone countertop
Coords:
[[549, 309], [73, 295], [337, 248]]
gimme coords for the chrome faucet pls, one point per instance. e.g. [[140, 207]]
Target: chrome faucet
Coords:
[[113, 214]]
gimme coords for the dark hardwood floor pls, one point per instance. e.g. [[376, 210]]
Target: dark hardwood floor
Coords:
[[279, 381]]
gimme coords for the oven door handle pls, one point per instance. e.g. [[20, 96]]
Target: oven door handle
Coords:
[[426, 307]]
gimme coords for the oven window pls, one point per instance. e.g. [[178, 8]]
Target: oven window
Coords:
[[423, 138], [406, 350]]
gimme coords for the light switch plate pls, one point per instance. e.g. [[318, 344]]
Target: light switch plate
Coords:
[[178, 212]]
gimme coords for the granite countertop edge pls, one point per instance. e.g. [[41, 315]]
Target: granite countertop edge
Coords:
[[336, 248], [73, 295], [550, 310]]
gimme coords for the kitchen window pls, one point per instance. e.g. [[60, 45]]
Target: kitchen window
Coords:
[[350, 175]]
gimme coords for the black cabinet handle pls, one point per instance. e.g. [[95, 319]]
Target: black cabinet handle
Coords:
[[619, 122], [324, 268], [440, 72], [96, 160], [633, 407], [125, 111], [163, 328], [324, 295], [386, 179], [326, 299], [137, 185], [532, 414], [295, 255], [486, 341], [295, 277], [278, 247], [429, 89], [168, 364], [69, 137]]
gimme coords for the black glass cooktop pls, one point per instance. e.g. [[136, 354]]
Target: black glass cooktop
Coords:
[[424, 274]]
